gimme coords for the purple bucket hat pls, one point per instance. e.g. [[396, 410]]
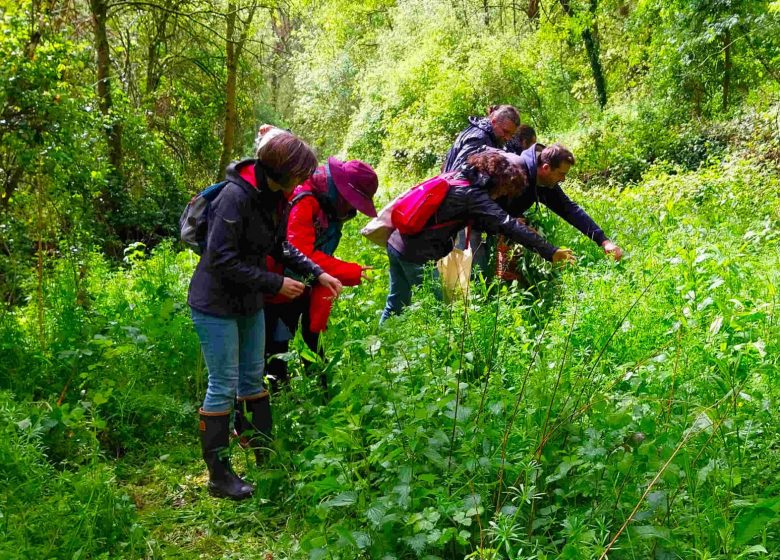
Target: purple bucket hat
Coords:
[[357, 182]]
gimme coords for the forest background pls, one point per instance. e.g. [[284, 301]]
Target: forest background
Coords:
[[627, 409]]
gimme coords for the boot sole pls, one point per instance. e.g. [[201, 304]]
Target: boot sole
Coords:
[[217, 493]]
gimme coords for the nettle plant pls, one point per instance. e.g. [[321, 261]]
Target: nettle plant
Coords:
[[626, 412]]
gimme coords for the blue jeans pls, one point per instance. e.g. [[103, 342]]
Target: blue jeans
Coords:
[[234, 349], [404, 276]]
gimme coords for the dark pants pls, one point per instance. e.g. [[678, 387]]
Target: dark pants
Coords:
[[404, 276], [282, 321]]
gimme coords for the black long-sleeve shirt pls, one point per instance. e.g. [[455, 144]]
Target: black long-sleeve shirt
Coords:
[[552, 197]]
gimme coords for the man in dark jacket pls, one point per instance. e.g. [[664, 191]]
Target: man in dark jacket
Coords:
[[546, 168], [492, 132]]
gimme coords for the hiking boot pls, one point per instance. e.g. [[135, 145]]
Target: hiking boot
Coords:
[[223, 482]]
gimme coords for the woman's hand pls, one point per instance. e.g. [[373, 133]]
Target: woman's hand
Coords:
[[331, 283], [564, 256], [364, 273], [291, 288]]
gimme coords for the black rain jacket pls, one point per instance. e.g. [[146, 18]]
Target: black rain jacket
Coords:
[[477, 135], [245, 224], [467, 205]]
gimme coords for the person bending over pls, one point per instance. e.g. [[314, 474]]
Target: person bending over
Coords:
[[491, 175], [318, 210], [546, 169]]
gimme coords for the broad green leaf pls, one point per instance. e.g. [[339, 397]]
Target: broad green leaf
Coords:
[[750, 523], [341, 500]]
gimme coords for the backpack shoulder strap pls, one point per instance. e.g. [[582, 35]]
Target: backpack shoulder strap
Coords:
[[324, 203], [300, 196], [212, 191], [452, 181]]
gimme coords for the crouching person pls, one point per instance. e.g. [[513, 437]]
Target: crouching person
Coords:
[[245, 224], [490, 175]]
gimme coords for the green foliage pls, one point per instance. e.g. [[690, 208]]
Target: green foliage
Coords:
[[633, 401], [418, 93], [528, 423], [65, 514]]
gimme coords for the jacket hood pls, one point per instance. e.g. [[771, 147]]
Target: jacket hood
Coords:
[[482, 123], [528, 158], [233, 172], [474, 177]]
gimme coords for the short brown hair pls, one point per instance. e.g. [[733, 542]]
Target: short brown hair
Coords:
[[507, 112], [555, 154], [507, 178], [286, 157], [525, 133]]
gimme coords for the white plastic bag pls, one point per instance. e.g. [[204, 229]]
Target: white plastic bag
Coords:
[[455, 272]]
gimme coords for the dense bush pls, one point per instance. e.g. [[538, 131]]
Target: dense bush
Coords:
[[79, 513]]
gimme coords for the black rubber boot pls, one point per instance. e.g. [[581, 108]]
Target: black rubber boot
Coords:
[[276, 369], [223, 482], [278, 375], [254, 423]]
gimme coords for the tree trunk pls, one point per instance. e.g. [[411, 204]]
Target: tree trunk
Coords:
[[592, 48], [228, 137], [153, 66], [282, 28], [233, 48], [726, 68], [99, 10], [533, 10]]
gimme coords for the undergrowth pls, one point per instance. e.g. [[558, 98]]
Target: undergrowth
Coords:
[[610, 408]]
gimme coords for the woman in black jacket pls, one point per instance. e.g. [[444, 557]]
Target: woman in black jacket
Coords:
[[491, 174], [246, 222]]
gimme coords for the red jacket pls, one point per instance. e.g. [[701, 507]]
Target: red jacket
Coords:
[[305, 220]]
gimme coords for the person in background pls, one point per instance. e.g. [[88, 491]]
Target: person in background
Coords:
[[493, 131], [507, 253], [319, 207], [226, 294], [524, 139], [546, 169], [491, 176]]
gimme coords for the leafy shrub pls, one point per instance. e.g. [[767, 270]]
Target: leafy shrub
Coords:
[[51, 514]]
